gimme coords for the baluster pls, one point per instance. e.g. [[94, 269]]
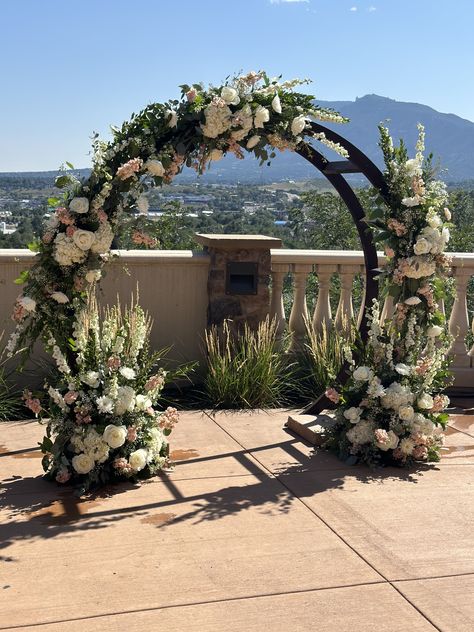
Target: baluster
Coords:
[[322, 313], [459, 320], [299, 310], [361, 311], [345, 309], [277, 307]]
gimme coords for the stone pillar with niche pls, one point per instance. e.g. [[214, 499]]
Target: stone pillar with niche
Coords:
[[239, 278]]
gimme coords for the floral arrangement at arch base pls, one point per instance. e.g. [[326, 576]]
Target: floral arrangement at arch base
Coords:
[[101, 421], [391, 410]]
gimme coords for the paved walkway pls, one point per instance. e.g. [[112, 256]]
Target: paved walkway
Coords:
[[251, 531]]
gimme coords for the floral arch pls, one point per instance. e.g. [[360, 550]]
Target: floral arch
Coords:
[[250, 113], [389, 403]]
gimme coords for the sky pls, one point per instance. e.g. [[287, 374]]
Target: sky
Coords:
[[71, 68]]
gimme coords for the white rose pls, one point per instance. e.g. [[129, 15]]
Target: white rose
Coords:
[[411, 201], [402, 369], [447, 214], [363, 374], [173, 120], [422, 246], [83, 463], [91, 378], [434, 331], [276, 104], [29, 304], [298, 124], [138, 459], [93, 275], [115, 436], [155, 168], [143, 402], [125, 400], [83, 239], [446, 235], [105, 404], [252, 141], [425, 401], [59, 297], [79, 205], [413, 300], [406, 413], [435, 221], [230, 95], [353, 414], [216, 154], [127, 372], [262, 116]]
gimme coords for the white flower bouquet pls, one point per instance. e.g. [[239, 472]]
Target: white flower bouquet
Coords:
[[103, 425]]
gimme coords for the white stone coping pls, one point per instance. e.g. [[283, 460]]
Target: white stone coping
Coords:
[[242, 242]]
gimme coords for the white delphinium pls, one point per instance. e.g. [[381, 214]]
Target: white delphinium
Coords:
[[337, 147], [57, 398]]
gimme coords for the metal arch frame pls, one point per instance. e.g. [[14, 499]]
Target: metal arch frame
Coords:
[[334, 172]]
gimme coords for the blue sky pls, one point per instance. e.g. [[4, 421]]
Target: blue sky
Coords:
[[70, 68]]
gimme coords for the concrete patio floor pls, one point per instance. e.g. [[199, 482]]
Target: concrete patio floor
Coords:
[[252, 530]]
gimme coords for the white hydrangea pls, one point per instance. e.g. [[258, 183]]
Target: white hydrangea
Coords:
[[397, 395], [125, 400], [218, 120], [104, 236], [419, 267], [361, 433], [65, 251]]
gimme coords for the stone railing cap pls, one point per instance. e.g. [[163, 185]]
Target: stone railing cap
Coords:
[[233, 241]]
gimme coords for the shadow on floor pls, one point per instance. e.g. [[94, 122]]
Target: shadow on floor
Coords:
[[41, 510]]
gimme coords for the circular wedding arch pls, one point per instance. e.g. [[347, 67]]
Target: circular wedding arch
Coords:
[[153, 147]]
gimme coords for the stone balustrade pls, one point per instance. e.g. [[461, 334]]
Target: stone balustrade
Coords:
[[329, 265], [174, 288]]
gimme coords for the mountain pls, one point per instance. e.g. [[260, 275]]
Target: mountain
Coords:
[[449, 137]]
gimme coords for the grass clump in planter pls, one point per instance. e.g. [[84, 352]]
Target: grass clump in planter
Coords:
[[249, 369]]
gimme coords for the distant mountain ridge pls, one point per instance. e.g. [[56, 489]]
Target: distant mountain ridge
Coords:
[[449, 137]]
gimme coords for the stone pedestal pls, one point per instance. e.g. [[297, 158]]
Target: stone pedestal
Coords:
[[239, 276]]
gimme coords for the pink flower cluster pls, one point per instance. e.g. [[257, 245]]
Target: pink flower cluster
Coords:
[[122, 465], [129, 169], [132, 434], [33, 403], [64, 216], [333, 395], [83, 415], [174, 168], [427, 293], [156, 381], [19, 312], [63, 475], [113, 363], [398, 228], [169, 418]]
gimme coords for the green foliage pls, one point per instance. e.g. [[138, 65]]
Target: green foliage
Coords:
[[9, 398], [250, 370]]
